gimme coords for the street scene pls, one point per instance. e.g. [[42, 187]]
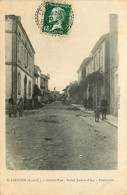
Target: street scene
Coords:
[[64, 139], [55, 122]]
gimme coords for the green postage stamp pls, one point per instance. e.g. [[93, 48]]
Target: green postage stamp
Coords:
[[56, 18]]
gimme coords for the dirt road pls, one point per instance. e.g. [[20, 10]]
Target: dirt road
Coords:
[[57, 137]]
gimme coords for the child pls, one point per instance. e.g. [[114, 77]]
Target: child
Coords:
[[97, 114]]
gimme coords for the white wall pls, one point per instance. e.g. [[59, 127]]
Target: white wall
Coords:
[[8, 75], [22, 85], [8, 47]]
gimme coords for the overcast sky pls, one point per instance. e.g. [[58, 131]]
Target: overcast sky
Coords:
[[61, 56]]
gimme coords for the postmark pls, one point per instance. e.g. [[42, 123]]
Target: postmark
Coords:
[[54, 18]]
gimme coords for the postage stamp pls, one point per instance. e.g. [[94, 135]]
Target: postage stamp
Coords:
[[56, 18]]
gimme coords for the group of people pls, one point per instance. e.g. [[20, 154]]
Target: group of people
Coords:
[[15, 108], [88, 104]]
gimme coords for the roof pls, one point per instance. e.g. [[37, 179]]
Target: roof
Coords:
[[84, 63], [18, 19], [36, 70], [99, 42], [44, 76]]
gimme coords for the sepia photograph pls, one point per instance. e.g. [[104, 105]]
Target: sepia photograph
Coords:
[[54, 125], [63, 96]]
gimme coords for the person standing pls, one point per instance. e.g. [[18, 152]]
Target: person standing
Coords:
[[10, 106], [20, 107], [90, 102], [104, 106], [85, 103]]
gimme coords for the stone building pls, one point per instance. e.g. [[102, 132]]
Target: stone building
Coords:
[[82, 69], [19, 60], [37, 75], [101, 69], [98, 71], [82, 77], [41, 92], [37, 84], [44, 81], [44, 87]]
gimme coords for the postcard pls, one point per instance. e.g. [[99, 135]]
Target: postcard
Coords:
[[63, 97]]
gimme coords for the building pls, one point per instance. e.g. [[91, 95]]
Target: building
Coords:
[[44, 81], [99, 73], [41, 92], [44, 87], [113, 41], [82, 69], [37, 75], [19, 60], [37, 85]]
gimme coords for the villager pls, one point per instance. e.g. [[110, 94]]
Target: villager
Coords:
[[85, 103], [90, 102], [104, 106], [97, 114], [15, 109], [20, 107], [10, 106]]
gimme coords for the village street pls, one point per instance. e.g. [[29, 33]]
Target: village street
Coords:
[[60, 137]]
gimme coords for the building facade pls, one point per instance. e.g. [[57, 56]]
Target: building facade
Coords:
[[44, 81], [101, 69], [98, 71], [44, 87], [41, 92], [82, 69], [19, 60]]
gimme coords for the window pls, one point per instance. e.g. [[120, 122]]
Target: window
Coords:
[[25, 58], [29, 88], [19, 83], [18, 51], [101, 59], [19, 34]]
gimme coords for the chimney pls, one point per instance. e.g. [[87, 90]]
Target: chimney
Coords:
[[113, 40], [113, 49]]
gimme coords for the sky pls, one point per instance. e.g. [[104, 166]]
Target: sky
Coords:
[[58, 56]]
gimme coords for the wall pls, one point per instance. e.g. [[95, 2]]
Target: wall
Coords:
[[113, 63], [19, 58], [8, 58], [8, 74], [21, 95], [25, 55], [46, 84], [101, 63]]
